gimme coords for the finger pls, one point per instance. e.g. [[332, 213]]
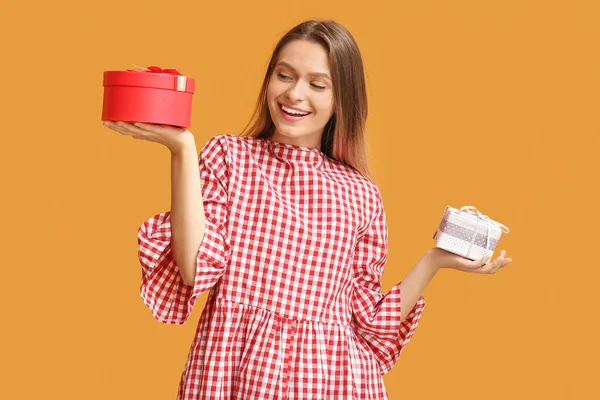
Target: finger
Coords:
[[108, 124], [500, 259], [473, 265], [130, 127], [134, 131], [490, 268], [506, 262], [501, 262], [480, 262], [157, 128], [486, 267], [146, 126], [114, 125]]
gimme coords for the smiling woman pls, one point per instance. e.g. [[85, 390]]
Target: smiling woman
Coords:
[[293, 243]]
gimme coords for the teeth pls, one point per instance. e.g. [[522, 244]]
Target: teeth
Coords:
[[292, 111]]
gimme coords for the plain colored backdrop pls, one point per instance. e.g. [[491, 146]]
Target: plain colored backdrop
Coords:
[[492, 104]]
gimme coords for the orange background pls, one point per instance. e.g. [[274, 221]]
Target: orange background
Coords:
[[491, 104]]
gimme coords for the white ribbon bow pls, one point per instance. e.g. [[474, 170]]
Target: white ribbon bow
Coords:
[[482, 217]]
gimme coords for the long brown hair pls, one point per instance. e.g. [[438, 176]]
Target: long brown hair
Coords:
[[343, 138]]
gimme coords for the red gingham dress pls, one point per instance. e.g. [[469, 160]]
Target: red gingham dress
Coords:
[[293, 251]]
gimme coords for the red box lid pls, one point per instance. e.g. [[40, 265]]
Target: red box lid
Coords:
[[149, 79]]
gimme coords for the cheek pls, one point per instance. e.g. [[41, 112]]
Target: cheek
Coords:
[[273, 91], [272, 95], [325, 105], [271, 98]]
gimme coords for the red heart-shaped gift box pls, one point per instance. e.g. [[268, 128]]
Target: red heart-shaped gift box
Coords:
[[152, 95]]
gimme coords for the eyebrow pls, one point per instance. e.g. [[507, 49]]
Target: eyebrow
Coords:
[[322, 74]]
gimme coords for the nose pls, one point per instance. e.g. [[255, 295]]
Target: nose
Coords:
[[295, 93]]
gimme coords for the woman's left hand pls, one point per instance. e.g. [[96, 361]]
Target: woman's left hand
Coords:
[[441, 258]]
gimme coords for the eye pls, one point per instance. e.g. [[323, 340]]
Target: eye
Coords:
[[282, 76]]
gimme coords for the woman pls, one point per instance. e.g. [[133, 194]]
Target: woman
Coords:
[[287, 230]]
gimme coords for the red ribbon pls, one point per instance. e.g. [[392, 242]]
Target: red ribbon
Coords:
[[158, 70]]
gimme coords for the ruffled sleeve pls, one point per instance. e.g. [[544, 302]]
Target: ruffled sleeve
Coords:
[[162, 288], [376, 316]]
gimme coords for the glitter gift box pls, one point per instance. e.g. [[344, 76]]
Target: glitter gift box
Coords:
[[152, 95], [468, 233]]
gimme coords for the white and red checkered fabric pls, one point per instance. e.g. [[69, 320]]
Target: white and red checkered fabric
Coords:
[[294, 248]]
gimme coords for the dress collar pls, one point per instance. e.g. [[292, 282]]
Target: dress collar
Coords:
[[293, 154]]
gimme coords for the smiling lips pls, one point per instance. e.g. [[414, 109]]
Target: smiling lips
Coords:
[[290, 117], [293, 110]]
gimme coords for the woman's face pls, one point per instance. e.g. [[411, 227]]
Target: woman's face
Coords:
[[301, 79]]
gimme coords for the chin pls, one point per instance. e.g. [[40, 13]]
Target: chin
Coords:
[[287, 132]]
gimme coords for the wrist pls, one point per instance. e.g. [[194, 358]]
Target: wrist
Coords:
[[431, 261], [185, 143]]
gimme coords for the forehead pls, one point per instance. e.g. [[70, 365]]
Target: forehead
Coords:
[[305, 57]]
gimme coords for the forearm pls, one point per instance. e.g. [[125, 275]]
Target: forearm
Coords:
[[187, 211], [412, 287]]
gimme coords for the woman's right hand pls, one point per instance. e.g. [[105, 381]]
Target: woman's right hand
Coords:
[[441, 258], [174, 138]]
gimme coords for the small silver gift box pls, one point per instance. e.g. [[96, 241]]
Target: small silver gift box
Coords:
[[468, 233]]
